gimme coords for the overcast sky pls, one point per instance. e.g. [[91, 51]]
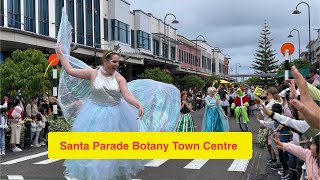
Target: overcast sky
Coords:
[[235, 25]]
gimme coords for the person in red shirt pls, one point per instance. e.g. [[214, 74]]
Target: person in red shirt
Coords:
[[12, 108]]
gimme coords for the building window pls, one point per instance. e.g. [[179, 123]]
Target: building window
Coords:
[[105, 32], [70, 12], [43, 17], [2, 13], [89, 32], [204, 62], [14, 19], [187, 57], [120, 31], [133, 45], [165, 50], [97, 31], [29, 16], [143, 40], [213, 67], [156, 47], [114, 30], [180, 56], [173, 53], [193, 59], [59, 6], [80, 20]]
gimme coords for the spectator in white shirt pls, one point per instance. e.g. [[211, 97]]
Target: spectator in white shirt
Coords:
[[39, 127], [33, 127], [3, 128]]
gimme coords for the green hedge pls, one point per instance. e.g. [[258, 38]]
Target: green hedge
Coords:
[[58, 125], [261, 139]]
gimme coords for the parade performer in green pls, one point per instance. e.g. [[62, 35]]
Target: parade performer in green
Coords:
[[241, 102]]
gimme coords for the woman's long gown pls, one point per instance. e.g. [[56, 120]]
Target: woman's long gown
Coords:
[[98, 106], [104, 111], [214, 119], [185, 123]]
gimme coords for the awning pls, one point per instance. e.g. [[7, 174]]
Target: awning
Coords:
[[303, 71]]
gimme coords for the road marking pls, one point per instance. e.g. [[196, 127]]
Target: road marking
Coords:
[[48, 161], [156, 162], [15, 177], [259, 162], [196, 164], [26, 158], [239, 165], [252, 163], [69, 178]]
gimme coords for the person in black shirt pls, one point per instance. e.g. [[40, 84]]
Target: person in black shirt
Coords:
[[185, 123]]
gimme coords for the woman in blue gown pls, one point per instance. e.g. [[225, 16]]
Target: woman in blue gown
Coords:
[[100, 100], [214, 119]]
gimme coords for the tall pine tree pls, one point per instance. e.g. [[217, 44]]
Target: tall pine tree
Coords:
[[265, 61]]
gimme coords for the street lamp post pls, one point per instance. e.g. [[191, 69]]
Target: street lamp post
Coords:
[[204, 41], [290, 36], [225, 68], [237, 71], [229, 72], [298, 12], [95, 55], [95, 45], [164, 31]]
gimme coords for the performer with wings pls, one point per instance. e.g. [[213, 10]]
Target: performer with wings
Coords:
[[100, 100]]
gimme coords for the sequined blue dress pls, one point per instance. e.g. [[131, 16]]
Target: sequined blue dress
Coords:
[[214, 119]]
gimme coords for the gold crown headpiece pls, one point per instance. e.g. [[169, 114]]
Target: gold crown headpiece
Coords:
[[116, 49]]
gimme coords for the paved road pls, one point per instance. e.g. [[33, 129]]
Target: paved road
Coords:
[[34, 164]]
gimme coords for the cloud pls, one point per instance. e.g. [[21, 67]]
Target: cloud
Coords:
[[235, 26]]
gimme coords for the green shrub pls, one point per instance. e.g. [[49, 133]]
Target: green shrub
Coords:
[[58, 125], [261, 139]]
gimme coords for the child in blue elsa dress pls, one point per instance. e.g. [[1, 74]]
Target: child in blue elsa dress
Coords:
[[100, 100], [214, 119]]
